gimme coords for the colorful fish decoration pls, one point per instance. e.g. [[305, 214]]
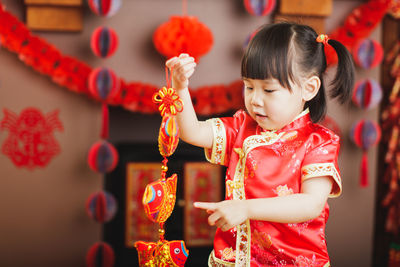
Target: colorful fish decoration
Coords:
[[162, 254]]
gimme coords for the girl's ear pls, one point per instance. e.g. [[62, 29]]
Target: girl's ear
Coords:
[[311, 87]]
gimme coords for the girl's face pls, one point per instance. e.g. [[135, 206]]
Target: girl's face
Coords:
[[271, 105]]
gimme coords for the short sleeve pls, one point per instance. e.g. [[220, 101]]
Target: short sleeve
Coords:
[[225, 131], [321, 160]]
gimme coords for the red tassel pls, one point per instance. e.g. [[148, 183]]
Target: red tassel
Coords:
[[364, 170], [105, 119]]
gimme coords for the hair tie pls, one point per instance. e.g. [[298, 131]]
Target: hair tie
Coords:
[[323, 38]]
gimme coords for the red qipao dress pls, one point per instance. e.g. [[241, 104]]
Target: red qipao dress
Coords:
[[263, 164]]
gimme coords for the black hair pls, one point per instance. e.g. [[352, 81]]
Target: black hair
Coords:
[[277, 49]]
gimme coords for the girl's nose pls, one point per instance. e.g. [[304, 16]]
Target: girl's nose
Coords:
[[256, 98]]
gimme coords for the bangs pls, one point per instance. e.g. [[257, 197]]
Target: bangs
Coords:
[[269, 55]]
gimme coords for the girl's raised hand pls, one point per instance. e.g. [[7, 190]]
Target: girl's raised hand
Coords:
[[181, 68], [225, 214]]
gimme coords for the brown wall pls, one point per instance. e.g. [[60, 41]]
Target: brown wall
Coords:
[[43, 219]]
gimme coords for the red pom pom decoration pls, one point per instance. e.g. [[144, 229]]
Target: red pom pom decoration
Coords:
[[183, 35], [365, 134], [368, 53], [105, 8], [103, 157], [367, 94], [103, 83], [104, 42], [259, 7], [100, 254], [101, 206]]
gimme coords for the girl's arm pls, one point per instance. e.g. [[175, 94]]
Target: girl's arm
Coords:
[[192, 131], [292, 208]]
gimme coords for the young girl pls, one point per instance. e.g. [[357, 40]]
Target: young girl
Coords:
[[281, 166]]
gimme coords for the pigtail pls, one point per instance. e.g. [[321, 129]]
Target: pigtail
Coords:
[[343, 83]]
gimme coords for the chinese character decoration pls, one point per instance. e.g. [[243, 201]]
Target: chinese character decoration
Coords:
[[31, 143], [159, 196]]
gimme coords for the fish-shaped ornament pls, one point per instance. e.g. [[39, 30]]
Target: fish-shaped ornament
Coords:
[[159, 199], [162, 254], [168, 136]]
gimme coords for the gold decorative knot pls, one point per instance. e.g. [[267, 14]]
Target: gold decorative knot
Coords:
[[169, 101]]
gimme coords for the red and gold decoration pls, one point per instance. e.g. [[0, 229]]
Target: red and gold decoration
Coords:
[[367, 53], [202, 183], [259, 7], [365, 134], [100, 254], [394, 9], [159, 196], [31, 143], [137, 225], [103, 157]]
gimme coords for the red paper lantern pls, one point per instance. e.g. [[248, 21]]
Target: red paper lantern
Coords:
[[259, 7], [100, 254], [365, 134], [367, 94], [103, 157], [368, 53], [101, 206], [183, 35], [105, 8], [103, 83], [104, 42]]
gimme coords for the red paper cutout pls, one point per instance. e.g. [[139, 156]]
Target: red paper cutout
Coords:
[[31, 143]]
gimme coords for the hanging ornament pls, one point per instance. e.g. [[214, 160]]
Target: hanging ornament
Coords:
[[101, 206], [162, 253], [183, 34], [104, 42], [367, 94], [368, 53], [103, 83], [102, 157], [105, 8], [259, 7], [365, 134], [100, 254]]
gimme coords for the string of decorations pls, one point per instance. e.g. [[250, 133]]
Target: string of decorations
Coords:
[[72, 73], [159, 197], [103, 84]]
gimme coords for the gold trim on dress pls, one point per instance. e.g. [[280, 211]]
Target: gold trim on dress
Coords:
[[323, 169], [219, 143]]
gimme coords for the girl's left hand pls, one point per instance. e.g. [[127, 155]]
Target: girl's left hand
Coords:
[[225, 214]]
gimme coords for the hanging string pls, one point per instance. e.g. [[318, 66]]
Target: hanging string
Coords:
[[105, 121], [184, 7]]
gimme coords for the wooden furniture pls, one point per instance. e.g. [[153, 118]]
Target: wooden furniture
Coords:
[[54, 15]]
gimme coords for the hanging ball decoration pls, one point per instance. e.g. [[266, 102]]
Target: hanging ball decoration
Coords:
[[183, 34], [104, 42], [367, 94], [105, 8], [259, 7], [103, 157], [368, 53], [365, 134], [101, 206], [100, 254], [103, 83]]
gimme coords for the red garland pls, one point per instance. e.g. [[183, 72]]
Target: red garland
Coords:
[[136, 96]]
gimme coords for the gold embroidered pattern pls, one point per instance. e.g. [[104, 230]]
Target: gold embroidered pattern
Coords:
[[322, 169], [215, 262], [219, 143]]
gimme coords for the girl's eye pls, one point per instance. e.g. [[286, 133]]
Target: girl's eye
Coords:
[[249, 88], [268, 90]]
